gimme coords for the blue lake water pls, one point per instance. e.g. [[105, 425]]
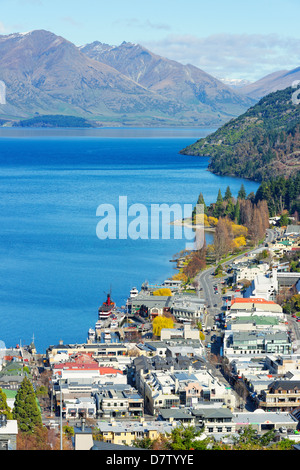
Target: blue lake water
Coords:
[[54, 270]]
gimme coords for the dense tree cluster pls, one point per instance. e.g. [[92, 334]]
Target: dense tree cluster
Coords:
[[263, 141], [281, 194]]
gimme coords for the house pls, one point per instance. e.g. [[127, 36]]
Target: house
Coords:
[[282, 395], [8, 433], [119, 402], [292, 230], [83, 437], [126, 433], [215, 420]]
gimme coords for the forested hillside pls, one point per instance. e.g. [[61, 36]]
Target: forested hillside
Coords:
[[264, 142]]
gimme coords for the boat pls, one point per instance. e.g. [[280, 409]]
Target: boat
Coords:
[[114, 324], [107, 335], [106, 309], [134, 292], [91, 334]]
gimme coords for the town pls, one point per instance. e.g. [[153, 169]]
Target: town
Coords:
[[219, 355]]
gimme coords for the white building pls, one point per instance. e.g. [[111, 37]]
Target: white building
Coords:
[[250, 272], [263, 286]]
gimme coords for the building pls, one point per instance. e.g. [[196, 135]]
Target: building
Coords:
[[215, 420], [187, 332], [125, 433], [292, 230], [282, 395], [262, 286], [119, 402], [256, 343], [64, 352], [8, 433], [262, 421], [187, 307], [254, 323], [167, 389], [255, 304], [249, 272]]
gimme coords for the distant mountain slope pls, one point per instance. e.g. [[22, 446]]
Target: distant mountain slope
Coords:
[[263, 142], [271, 83], [46, 74], [203, 96]]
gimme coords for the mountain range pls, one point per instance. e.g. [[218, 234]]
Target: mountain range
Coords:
[[125, 85], [270, 83], [109, 85]]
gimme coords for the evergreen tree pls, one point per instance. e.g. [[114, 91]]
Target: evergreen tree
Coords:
[[220, 197], [26, 410], [218, 209], [200, 201], [228, 194], [4, 408], [242, 192]]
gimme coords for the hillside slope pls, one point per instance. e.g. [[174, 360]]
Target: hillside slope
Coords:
[[264, 142], [271, 83], [204, 98], [46, 74]]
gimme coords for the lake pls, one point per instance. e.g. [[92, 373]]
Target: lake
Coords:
[[55, 271]]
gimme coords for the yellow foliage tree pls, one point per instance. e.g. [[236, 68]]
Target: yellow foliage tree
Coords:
[[180, 277], [160, 322], [239, 230], [212, 221], [164, 291], [238, 242]]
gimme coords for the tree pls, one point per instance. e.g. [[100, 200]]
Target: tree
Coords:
[[26, 410], [242, 192], [163, 291], [200, 201], [4, 408], [228, 194], [184, 438], [161, 322], [222, 239]]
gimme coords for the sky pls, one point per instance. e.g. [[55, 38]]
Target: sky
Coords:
[[226, 38]]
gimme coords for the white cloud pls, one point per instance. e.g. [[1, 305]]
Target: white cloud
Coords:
[[140, 24], [248, 56]]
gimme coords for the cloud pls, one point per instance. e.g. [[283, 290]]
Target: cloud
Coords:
[[139, 24], [71, 21], [248, 56]]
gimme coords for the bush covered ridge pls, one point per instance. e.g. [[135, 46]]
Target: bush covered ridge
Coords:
[[262, 142]]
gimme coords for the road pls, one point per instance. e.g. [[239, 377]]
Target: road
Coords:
[[207, 281]]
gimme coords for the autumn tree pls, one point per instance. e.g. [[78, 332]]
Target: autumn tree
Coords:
[[161, 322], [223, 238]]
